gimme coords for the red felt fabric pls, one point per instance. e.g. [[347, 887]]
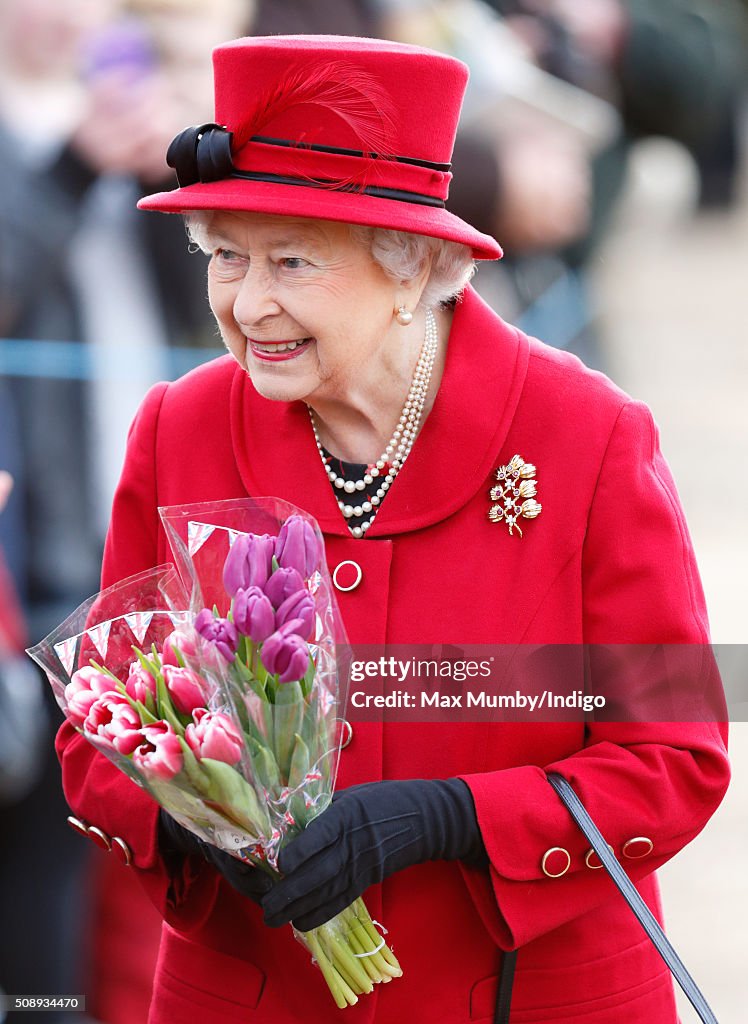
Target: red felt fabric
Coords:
[[608, 560], [397, 100]]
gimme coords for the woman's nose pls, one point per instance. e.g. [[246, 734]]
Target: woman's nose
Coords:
[[255, 300]]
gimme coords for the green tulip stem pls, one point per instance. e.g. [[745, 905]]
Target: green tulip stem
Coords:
[[388, 956], [339, 965], [345, 961], [360, 946], [369, 941], [342, 993], [350, 954]]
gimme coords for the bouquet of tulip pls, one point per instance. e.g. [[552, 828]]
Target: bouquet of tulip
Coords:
[[224, 703]]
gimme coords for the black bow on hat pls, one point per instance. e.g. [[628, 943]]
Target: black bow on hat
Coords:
[[200, 154]]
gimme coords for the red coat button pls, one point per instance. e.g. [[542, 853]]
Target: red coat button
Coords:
[[101, 839], [121, 851], [347, 575], [345, 732], [77, 825], [592, 860], [555, 862], [638, 847]]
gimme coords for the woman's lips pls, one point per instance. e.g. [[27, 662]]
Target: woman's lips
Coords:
[[278, 351]]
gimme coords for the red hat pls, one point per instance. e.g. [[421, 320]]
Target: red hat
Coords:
[[330, 127]]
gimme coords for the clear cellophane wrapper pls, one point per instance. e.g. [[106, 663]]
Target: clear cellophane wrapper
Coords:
[[285, 736]]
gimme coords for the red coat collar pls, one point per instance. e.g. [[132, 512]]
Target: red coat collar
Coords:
[[456, 450]]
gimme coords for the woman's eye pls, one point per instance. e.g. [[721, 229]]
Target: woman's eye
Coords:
[[228, 263], [293, 262]]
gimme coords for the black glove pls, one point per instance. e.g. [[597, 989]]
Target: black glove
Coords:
[[366, 834], [245, 878]]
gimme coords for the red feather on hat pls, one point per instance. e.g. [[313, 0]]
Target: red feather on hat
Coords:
[[341, 88]]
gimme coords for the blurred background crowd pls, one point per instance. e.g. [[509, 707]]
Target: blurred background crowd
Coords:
[[98, 301]]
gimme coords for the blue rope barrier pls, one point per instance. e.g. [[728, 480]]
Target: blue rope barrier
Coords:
[[71, 360]]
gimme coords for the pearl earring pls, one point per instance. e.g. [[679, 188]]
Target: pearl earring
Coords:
[[403, 316]]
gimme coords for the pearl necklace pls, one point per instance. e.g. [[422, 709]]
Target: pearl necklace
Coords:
[[400, 444]]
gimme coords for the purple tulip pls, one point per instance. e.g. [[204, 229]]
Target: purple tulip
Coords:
[[249, 562], [299, 607], [285, 653], [160, 754], [140, 683], [186, 689], [282, 584], [297, 546], [219, 632], [253, 614], [214, 735], [85, 686]]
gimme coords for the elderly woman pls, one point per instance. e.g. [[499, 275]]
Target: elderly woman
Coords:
[[368, 384]]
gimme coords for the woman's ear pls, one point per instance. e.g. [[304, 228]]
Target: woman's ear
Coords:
[[410, 290]]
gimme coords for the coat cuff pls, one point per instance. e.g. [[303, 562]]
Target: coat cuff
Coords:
[[101, 795], [540, 876]]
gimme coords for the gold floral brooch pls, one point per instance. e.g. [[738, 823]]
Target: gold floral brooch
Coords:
[[515, 494]]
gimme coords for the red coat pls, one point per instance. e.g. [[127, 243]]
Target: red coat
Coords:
[[608, 560]]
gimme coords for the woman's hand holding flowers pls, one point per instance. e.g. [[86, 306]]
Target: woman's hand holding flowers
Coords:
[[177, 841], [367, 834]]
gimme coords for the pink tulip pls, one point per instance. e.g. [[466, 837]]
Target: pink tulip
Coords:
[[177, 639], [85, 686], [140, 683], [186, 689], [214, 735], [115, 722], [160, 754]]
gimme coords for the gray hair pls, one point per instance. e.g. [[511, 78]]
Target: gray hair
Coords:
[[402, 255]]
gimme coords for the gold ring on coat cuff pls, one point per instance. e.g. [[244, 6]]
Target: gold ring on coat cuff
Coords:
[[638, 847], [77, 825], [591, 855], [552, 855], [121, 851]]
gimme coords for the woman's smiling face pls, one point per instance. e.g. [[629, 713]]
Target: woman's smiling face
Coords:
[[301, 305]]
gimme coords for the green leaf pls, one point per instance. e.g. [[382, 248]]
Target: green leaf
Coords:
[[264, 765], [298, 810], [288, 715], [299, 763], [243, 671], [164, 706], [308, 680], [233, 793], [102, 668], [149, 666], [145, 715], [197, 778]]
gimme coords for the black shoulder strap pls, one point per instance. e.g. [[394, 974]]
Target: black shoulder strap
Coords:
[[506, 981], [643, 914]]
